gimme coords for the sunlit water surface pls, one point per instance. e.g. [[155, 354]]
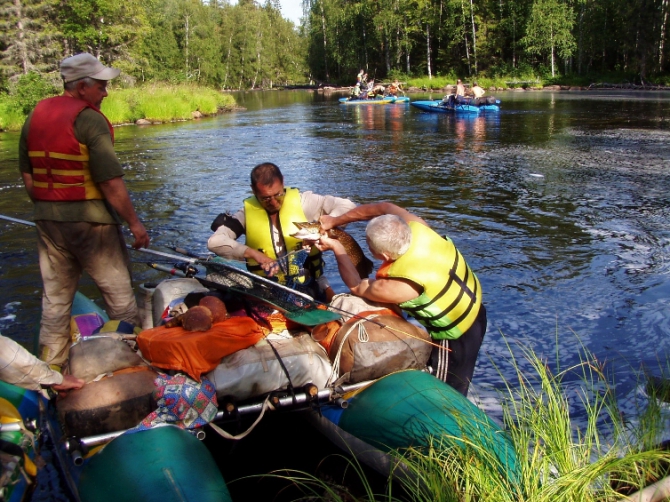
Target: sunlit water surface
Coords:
[[559, 203]]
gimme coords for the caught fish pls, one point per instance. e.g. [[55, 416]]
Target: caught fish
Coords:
[[312, 232]]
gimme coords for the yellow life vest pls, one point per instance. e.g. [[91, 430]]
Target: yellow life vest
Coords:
[[452, 295], [259, 234]]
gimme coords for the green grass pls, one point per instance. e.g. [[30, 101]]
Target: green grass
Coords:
[[559, 461], [157, 103], [163, 103], [11, 117]]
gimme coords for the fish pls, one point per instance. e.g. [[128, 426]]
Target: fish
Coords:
[[312, 232]]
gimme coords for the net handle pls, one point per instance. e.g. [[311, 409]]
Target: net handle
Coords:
[[258, 278]]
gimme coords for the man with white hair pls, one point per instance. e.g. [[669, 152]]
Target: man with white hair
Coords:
[[426, 276], [75, 180]]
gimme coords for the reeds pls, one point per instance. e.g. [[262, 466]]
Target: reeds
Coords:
[[602, 460], [163, 103]]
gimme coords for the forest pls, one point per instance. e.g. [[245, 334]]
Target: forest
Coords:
[[546, 38], [216, 44], [250, 45]]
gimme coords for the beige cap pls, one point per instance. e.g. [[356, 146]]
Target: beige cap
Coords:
[[86, 65]]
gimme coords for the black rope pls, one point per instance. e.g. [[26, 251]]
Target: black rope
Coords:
[[281, 363]]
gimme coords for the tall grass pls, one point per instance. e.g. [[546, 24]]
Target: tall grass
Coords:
[[156, 103], [163, 103], [559, 461], [11, 117]]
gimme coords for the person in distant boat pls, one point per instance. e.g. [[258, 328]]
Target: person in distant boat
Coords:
[[426, 276], [477, 91], [359, 77], [19, 367], [378, 90], [394, 88], [267, 221], [75, 180], [356, 92], [460, 88], [460, 93]]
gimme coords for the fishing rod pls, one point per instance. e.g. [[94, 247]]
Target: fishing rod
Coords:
[[230, 267], [193, 261], [16, 220]]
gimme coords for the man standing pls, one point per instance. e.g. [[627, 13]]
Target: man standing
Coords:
[[267, 220], [71, 173], [426, 276]]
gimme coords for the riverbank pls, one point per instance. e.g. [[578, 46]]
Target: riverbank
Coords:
[[150, 104]]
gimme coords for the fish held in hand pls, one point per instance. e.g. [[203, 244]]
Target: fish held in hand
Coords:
[[312, 232]]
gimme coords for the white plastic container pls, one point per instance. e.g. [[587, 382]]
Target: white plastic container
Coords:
[[171, 289], [144, 304]]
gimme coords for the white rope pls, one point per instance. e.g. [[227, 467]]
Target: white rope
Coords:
[[363, 336], [266, 405]]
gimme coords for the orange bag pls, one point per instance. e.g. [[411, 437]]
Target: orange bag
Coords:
[[197, 352]]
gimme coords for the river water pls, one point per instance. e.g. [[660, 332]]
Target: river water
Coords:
[[559, 203]]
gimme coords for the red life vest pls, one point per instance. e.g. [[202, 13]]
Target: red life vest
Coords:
[[59, 161]]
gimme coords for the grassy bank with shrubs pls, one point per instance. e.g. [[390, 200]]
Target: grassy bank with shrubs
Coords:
[[153, 102], [605, 456], [532, 79]]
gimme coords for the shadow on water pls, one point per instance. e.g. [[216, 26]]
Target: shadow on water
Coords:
[[558, 203]]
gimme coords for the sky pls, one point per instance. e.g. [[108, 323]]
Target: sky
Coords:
[[292, 10]]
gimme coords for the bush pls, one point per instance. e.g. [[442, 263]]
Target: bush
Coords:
[[30, 89]]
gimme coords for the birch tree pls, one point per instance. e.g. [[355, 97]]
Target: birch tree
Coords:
[[549, 31]]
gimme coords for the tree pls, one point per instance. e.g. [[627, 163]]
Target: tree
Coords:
[[29, 41], [549, 30]]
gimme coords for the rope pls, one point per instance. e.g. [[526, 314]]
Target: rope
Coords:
[[266, 405], [362, 337]]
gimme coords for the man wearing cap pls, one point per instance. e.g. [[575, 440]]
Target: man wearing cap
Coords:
[[75, 180]]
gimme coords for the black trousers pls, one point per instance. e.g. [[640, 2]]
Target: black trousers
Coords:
[[454, 361]]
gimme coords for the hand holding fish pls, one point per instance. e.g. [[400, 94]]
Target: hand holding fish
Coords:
[[314, 232], [327, 222], [326, 243]]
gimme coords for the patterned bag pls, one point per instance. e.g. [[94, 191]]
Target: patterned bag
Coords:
[[182, 402]]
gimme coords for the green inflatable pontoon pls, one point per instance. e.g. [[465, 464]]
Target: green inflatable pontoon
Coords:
[[412, 409]]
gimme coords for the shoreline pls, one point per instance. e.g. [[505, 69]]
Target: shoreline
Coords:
[[553, 88]]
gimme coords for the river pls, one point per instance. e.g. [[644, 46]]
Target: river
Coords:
[[559, 203]]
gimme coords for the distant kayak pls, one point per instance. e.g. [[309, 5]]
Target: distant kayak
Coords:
[[387, 100], [438, 106]]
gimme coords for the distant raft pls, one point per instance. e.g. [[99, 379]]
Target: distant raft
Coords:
[[386, 100], [439, 106]]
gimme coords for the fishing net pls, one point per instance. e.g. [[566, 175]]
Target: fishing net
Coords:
[[289, 297]]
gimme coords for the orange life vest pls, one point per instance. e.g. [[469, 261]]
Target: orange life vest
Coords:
[[59, 161]]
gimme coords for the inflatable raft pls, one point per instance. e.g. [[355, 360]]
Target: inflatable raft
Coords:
[[438, 106], [386, 100], [354, 402]]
